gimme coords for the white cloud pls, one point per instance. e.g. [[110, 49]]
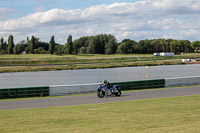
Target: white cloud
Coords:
[[190, 33], [139, 20]]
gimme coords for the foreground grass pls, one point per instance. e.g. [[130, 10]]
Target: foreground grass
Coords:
[[180, 114]]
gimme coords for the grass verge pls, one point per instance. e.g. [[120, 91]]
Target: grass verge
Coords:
[[179, 114], [30, 62]]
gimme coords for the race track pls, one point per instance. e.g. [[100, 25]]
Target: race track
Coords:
[[93, 99]]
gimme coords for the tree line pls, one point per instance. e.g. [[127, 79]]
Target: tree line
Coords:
[[99, 44]]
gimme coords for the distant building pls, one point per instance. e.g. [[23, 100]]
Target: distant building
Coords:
[[164, 54], [156, 54], [186, 60], [24, 52]]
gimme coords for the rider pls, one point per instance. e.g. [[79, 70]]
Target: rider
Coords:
[[106, 83]]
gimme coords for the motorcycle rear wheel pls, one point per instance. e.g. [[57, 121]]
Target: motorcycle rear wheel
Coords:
[[118, 93]]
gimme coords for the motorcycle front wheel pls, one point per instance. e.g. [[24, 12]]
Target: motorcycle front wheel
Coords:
[[101, 94]]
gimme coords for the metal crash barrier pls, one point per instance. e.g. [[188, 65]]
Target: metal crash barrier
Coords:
[[24, 92], [59, 90], [182, 81], [142, 84]]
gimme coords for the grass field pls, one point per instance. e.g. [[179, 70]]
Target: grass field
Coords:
[[47, 62], [75, 56], [166, 115]]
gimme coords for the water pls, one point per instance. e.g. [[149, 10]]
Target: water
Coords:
[[46, 78]]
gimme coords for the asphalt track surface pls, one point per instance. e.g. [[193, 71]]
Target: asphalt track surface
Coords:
[[93, 99]]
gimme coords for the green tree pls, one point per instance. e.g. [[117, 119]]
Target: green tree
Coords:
[[140, 47], [126, 47], [184, 46], [59, 49], [3, 46], [2, 43], [37, 45], [80, 45], [157, 45], [144, 47], [100, 43], [91, 49], [69, 45], [52, 45], [40, 50], [10, 44], [111, 45], [20, 47], [173, 46], [195, 46], [32, 45], [166, 45]]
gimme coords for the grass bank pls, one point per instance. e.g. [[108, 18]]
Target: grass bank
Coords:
[[30, 62], [86, 66], [166, 115]]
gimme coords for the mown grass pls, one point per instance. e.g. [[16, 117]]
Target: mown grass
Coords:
[[80, 55], [166, 115], [47, 62], [98, 65]]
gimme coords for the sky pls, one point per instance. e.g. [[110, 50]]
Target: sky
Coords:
[[125, 19]]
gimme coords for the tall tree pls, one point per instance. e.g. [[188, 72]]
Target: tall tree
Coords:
[[80, 45], [195, 46], [32, 45], [20, 47], [27, 39], [69, 45], [3, 46], [127, 47], [91, 49], [52, 45], [2, 43], [173, 46], [10, 44], [111, 46], [157, 45]]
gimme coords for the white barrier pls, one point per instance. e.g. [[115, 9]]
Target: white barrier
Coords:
[[59, 90], [182, 81]]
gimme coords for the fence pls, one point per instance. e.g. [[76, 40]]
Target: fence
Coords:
[[182, 81], [58, 90], [142, 84], [24, 92]]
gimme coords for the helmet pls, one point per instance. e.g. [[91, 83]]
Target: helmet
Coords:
[[105, 82]]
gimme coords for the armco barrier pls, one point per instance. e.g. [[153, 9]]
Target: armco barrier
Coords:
[[142, 84], [24, 92], [182, 81], [57, 90]]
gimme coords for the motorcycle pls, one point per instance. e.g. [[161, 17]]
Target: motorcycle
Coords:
[[103, 90]]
